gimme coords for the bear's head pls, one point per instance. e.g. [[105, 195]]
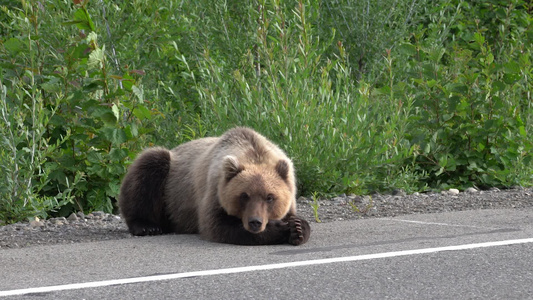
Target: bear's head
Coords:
[[257, 193]]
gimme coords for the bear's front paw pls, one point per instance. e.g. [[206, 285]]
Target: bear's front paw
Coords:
[[299, 231]]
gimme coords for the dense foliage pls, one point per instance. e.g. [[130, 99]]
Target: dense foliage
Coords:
[[363, 95]]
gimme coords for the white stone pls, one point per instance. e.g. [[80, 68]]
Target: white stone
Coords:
[[453, 191], [471, 190]]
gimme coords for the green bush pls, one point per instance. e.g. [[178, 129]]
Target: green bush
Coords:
[[364, 96], [342, 139], [367, 28], [72, 122], [470, 73], [23, 153]]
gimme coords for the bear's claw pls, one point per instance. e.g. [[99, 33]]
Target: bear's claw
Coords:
[[299, 231], [145, 229]]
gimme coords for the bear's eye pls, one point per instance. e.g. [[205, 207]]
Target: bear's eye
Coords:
[[244, 197], [270, 198]]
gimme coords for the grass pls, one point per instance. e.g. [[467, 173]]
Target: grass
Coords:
[[315, 205], [362, 210]]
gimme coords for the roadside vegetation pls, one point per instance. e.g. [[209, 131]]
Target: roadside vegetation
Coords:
[[364, 95]]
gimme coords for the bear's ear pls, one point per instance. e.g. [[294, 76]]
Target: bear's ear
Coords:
[[282, 167], [232, 167]]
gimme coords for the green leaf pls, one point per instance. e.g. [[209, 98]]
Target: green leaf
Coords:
[[498, 86], [447, 117], [81, 51], [94, 157], [138, 93], [109, 118], [96, 169], [57, 120], [431, 83], [13, 45], [512, 67], [443, 161], [97, 58], [105, 114], [116, 169], [440, 171], [116, 136], [427, 148], [490, 124], [59, 176], [452, 164], [52, 85], [407, 49], [142, 112], [67, 161], [384, 90], [522, 130], [519, 120], [511, 78], [489, 59], [459, 88], [480, 39], [127, 82], [82, 20], [117, 154], [113, 189], [116, 111], [132, 130]]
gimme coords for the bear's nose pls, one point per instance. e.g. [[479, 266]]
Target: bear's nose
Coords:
[[255, 224]]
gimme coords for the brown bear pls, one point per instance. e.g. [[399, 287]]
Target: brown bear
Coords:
[[238, 188]]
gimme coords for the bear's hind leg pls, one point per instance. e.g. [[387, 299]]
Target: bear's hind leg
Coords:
[[143, 227], [141, 194]]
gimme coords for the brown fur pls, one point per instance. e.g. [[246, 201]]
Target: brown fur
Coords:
[[238, 188]]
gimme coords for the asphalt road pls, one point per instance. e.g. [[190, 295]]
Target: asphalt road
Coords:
[[485, 254]]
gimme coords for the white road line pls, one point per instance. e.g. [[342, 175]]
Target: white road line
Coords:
[[95, 284], [440, 224]]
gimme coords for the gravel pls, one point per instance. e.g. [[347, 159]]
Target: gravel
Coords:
[[97, 226]]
